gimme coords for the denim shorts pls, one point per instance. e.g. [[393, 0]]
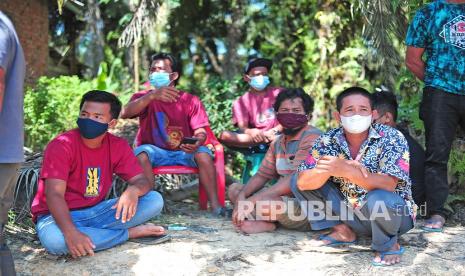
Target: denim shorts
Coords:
[[162, 157]]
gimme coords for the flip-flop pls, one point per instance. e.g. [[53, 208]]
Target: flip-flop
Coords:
[[334, 242], [383, 254], [152, 239], [431, 229]]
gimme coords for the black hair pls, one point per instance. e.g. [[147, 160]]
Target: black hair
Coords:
[[258, 62], [175, 66], [103, 97], [353, 91], [294, 93], [385, 101]]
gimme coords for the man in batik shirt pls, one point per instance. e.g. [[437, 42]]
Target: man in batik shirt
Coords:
[[356, 180]]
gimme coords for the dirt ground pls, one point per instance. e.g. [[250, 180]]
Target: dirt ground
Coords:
[[213, 247]]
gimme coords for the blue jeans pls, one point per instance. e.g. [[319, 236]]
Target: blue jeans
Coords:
[[162, 157], [385, 212], [98, 223]]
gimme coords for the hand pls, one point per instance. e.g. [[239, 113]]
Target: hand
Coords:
[[242, 210], [240, 197], [235, 216], [258, 136], [334, 165], [270, 135], [126, 206], [79, 244], [190, 148], [165, 94], [359, 166]]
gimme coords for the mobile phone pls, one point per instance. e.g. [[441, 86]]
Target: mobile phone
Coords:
[[189, 140]]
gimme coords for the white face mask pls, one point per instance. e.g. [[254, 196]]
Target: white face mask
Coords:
[[356, 124]]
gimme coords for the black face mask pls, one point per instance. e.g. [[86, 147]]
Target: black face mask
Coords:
[[291, 131], [91, 129]]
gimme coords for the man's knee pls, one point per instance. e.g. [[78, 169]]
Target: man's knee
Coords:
[[148, 153], [143, 157], [233, 191], [203, 160], [379, 200], [53, 242], [151, 204], [56, 246]]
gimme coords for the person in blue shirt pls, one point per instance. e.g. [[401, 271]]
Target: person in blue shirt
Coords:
[[356, 180], [436, 55]]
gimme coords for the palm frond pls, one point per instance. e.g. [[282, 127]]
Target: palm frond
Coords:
[[142, 22], [60, 3], [385, 25]]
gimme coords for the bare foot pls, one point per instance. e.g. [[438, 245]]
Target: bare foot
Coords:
[[257, 226], [145, 230], [341, 232], [388, 259]]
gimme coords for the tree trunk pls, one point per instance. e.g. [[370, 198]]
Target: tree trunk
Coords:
[[231, 63]]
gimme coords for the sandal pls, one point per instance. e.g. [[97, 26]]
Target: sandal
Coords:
[[435, 219], [383, 254], [334, 242], [152, 239]]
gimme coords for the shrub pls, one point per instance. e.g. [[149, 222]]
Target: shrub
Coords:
[[218, 95], [52, 107]]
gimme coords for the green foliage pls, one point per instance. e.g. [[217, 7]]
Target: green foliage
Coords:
[[457, 164], [218, 95], [452, 199], [51, 107], [409, 90], [113, 76], [11, 217]]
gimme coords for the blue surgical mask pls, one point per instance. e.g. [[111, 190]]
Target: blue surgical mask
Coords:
[[259, 82], [91, 129], [160, 79]]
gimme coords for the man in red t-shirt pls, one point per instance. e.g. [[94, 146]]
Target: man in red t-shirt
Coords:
[[168, 119], [253, 112], [69, 209]]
